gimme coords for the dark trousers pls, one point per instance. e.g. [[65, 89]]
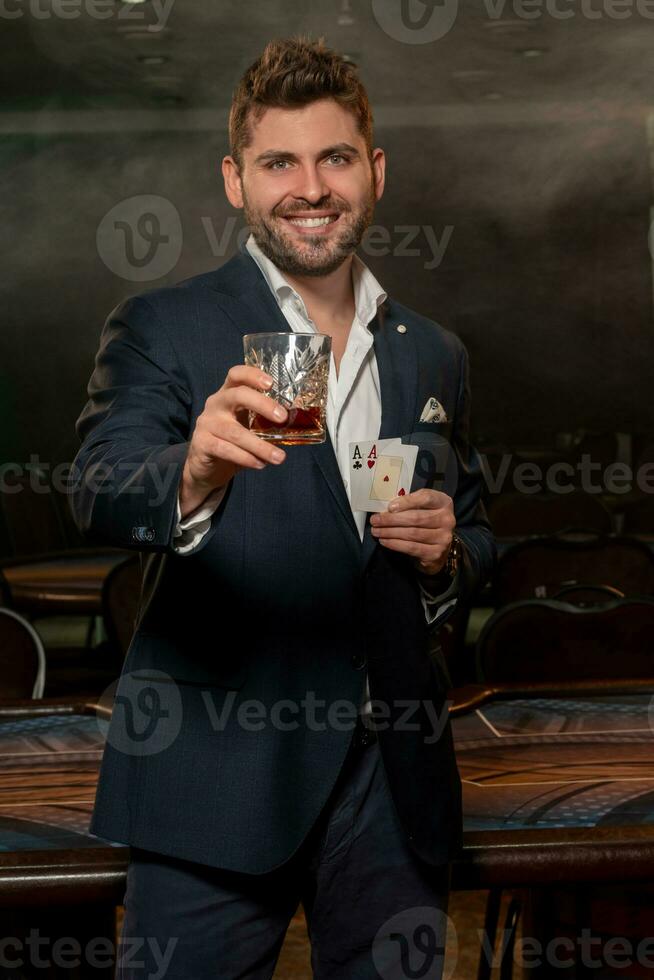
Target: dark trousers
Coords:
[[372, 908]]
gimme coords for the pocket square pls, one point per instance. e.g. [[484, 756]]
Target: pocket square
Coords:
[[433, 411]]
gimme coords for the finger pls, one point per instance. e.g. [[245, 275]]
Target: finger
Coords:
[[421, 499], [413, 549], [232, 433], [408, 518], [220, 449], [424, 535], [245, 374], [243, 398]]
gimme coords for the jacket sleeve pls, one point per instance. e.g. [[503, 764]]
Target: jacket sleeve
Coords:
[[472, 524], [463, 481], [134, 430]]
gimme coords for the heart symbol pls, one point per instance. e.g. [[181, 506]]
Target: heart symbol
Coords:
[[401, 493], [371, 463], [385, 479]]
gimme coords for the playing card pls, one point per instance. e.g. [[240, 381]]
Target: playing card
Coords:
[[380, 470], [386, 478]]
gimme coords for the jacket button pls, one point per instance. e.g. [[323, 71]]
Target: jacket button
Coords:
[[143, 534], [358, 660]]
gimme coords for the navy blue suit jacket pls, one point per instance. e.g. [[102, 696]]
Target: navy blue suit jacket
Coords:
[[226, 737]]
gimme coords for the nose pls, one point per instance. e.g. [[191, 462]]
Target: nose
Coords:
[[311, 184]]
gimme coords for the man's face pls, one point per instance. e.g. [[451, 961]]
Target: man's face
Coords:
[[307, 186]]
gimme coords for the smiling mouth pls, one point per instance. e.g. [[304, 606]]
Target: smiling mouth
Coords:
[[312, 222]]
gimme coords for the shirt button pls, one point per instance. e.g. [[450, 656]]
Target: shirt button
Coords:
[[358, 660]]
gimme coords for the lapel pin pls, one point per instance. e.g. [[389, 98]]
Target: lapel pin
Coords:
[[401, 328]]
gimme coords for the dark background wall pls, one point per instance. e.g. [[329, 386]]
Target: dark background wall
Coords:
[[533, 168]]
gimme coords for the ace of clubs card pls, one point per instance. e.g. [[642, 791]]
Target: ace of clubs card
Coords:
[[380, 470]]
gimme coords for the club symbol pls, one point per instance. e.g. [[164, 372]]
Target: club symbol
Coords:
[[357, 465]]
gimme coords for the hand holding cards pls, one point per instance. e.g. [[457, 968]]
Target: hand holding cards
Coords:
[[380, 470]]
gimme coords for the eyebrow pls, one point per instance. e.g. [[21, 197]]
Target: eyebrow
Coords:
[[286, 155]]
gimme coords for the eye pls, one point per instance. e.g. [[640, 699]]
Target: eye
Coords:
[[273, 164], [338, 156]]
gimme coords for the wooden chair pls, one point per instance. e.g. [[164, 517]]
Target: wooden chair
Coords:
[[48, 569], [5, 592], [22, 658], [639, 516], [541, 567], [550, 640], [120, 602]]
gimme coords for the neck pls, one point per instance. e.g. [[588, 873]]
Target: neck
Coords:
[[330, 296]]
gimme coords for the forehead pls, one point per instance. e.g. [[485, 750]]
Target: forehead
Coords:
[[303, 129]]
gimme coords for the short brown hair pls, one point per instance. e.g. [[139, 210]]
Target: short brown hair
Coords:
[[292, 72]]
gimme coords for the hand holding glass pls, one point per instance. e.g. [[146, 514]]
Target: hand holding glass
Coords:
[[298, 363]]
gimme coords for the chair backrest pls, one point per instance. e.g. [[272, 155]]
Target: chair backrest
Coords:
[[541, 567], [5, 591], [588, 595], [22, 658], [639, 516], [121, 594], [542, 640], [519, 515], [31, 515]]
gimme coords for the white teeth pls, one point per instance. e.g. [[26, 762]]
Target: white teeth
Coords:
[[312, 222]]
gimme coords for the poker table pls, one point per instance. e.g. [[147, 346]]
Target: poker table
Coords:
[[558, 786]]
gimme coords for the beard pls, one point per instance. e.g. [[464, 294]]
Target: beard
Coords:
[[315, 255]]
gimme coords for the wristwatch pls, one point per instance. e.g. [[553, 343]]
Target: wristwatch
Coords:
[[442, 580], [453, 557]]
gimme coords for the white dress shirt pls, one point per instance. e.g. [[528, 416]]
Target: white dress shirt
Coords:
[[353, 402]]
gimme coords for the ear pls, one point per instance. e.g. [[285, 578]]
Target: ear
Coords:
[[379, 171], [233, 185]]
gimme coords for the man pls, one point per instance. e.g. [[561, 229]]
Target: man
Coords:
[[294, 742]]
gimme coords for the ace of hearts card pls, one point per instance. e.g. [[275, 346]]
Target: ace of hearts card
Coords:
[[380, 470]]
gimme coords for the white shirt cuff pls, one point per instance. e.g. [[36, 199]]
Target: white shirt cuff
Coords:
[[434, 606], [188, 533]]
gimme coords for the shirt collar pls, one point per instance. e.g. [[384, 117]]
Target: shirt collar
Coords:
[[368, 293]]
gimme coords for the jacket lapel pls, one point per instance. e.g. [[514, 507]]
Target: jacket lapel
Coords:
[[397, 364]]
